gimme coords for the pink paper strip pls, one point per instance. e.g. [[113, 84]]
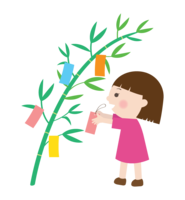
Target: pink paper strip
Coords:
[[34, 117], [89, 127]]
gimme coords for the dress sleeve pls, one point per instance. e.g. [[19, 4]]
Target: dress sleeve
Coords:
[[116, 122]]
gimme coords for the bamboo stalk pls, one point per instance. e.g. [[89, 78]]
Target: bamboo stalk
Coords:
[[50, 123]]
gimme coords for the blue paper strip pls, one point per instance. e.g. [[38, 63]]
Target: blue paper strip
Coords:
[[67, 73]]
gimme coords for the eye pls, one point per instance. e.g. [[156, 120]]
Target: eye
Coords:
[[116, 94]]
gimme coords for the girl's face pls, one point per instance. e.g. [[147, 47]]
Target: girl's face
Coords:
[[127, 104]]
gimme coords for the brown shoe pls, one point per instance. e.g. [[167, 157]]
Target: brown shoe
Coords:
[[136, 183], [120, 181]]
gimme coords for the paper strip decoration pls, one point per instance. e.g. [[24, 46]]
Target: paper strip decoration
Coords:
[[100, 65], [91, 128], [53, 146], [66, 73], [34, 117]]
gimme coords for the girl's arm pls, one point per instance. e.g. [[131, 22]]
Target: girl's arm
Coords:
[[102, 118], [109, 119]]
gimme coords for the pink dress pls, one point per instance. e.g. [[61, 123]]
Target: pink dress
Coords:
[[131, 146]]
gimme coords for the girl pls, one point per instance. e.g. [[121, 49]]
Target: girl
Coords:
[[135, 95]]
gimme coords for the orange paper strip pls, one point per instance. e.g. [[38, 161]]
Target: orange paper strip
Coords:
[[100, 65]]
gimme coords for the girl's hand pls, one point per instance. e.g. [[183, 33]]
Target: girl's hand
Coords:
[[98, 119]]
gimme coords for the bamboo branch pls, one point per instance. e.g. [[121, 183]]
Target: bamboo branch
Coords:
[[61, 117], [43, 112]]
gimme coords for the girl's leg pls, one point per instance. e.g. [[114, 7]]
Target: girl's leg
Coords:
[[138, 174], [123, 170]]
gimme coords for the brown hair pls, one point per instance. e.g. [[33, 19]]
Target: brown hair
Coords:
[[148, 86]]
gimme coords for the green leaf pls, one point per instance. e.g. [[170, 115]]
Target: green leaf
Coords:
[[29, 106], [41, 90], [50, 90], [74, 97], [60, 63], [107, 66], [80, 46], [60, 50], [135, 39], [94, 36], [74, 112], [93, 29], [72, 131], [89, 80], [72, 139], [67, 135], [117, 49], [141, 26], [65, 52], [78, 112], [93, 87], [101, 34], [120, 25], [69, 120], [72, 108], [44, 94], [120, 55], [94, 79], [58, 74]]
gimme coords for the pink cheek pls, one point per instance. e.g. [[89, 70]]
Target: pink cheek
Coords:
[[123, 104]]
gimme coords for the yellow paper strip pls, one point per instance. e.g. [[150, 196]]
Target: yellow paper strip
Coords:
[[53, 146]]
